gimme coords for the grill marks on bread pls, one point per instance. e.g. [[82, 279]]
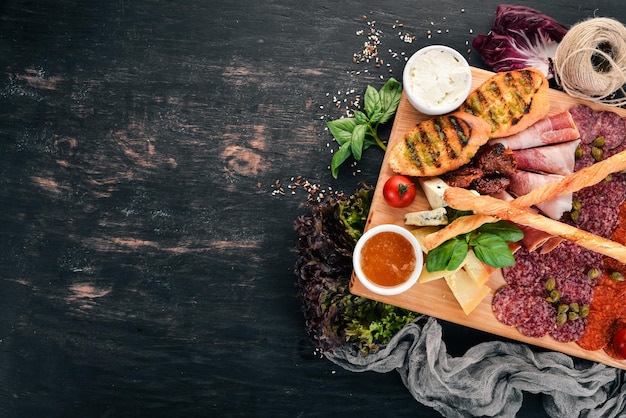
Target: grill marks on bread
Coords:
[[438, 145], [510, 101]]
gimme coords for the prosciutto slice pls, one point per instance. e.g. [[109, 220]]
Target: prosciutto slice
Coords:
[[551, 130], [533, 238], [554, 159], [523, 182]]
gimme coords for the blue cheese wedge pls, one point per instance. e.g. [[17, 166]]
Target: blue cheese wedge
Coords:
[[432, 217], [434, 189]]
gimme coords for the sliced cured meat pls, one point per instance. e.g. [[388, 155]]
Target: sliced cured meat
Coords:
[[550, 244], [610, 194], [609, 348], [510, 305], [551, 130], [555, 159], [523, 182], [602, 315], [599, 220], [593, 124], [576, 288], [541, 318], [570, 331], [584, 119], [611, 127], [528, 270]]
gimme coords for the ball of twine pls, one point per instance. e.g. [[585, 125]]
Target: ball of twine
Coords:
[[590, 61]]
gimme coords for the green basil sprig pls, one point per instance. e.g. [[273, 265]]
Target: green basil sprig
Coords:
[[489, 243], [356, 134]]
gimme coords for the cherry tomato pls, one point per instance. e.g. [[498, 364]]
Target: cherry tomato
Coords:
[[619, 342], [399, 191]]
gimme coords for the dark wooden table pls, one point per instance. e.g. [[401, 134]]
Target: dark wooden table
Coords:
[[149, 156]]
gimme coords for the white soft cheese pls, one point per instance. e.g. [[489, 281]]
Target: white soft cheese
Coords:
[[438, 78]]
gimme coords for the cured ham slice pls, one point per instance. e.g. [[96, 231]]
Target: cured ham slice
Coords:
[[533, 238], [551, 130], [523, 182], [554, 159]]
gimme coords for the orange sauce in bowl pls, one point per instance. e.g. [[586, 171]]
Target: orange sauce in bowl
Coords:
[[388, 259]]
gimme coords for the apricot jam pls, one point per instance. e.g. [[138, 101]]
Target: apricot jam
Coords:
[[388, 259]]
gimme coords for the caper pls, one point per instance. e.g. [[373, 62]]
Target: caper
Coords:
[[617, 276], [598, 142], [593, 274], [584, 311], [597, 153], [608, 178], [555, 295], [562, 308], [574, 307], [579, 152], [572, 316], [550, 284], [561, 318], [576, 205], [574, 215]]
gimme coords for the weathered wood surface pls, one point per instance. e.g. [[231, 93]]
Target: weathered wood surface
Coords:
[[146, 255]]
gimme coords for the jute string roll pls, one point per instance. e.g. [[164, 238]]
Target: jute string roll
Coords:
[[590, 61]]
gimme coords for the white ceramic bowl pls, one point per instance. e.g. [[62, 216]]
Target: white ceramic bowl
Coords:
[[388, 290], [436, 80]]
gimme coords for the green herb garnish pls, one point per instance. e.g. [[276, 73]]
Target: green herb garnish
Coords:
[[356, 134], [489, 243]]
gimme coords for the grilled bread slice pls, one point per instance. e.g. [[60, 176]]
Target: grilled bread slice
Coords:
[[510, 101], [438, 145]]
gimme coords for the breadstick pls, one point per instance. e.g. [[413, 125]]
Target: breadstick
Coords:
[[459, 226], [578, 180], [462, 199]]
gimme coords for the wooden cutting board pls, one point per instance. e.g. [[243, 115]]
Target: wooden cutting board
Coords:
[[434, 298]]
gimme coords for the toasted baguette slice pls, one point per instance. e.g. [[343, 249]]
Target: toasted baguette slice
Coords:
[[438, 145], [510, 101]]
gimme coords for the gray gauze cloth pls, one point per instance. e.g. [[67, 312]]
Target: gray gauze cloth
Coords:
[[489, 380]]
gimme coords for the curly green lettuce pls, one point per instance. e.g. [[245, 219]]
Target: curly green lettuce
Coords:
[[334, 316]]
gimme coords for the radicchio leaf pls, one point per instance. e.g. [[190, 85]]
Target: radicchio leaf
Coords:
[[520, 37]]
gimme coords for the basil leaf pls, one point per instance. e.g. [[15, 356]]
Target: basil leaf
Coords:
[[356, 144], [373, 105], [504, 230], [390, 94], [360, 117], [339, 157], [369, 141], [447, 256], [492, 250], [341, 129]]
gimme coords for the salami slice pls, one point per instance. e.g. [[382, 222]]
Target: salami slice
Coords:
[[602, 314], [611, 127], [527, 271], [607, 194], [576, 288], [585, 121], [510, 305], [541, 318], [570, 331], [609, 349]]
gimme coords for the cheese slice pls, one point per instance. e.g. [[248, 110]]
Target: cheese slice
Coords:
[[432, 217], [475, 268], [465, 290], [434, 188], [421, 233]]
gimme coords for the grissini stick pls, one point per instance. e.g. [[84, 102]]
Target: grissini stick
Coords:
[[571, 183], [463, 199]]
